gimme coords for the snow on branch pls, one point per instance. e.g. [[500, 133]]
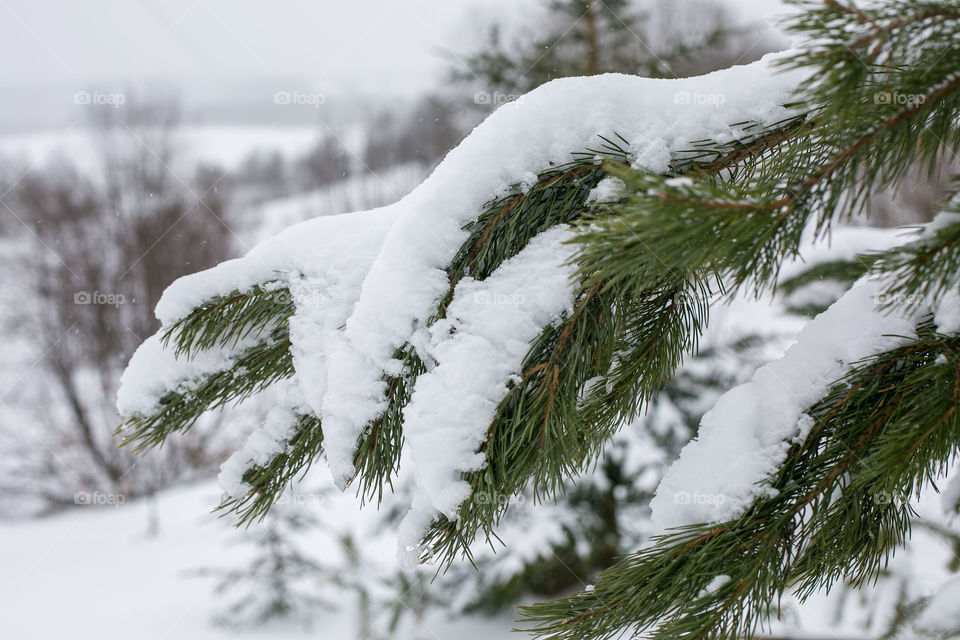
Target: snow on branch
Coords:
[[414, 315]]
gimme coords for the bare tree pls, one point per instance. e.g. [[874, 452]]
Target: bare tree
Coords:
[[102, 246], [433, 126]]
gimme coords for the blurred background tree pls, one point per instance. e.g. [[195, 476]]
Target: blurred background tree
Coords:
[[656, 39], [102, 246]]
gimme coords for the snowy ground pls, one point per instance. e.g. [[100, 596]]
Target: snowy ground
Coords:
[[96, 573], [102, 572], [355, 193], [224, 145]]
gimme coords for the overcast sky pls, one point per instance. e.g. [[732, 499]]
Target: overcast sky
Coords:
[[207, 48]]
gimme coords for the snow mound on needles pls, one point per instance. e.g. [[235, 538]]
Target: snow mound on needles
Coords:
[[365, 284]]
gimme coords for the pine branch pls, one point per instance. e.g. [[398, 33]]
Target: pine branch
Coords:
[[268, 481], [842, 273], [727, 216], [708, 158], [839, 504], [928, 267], [501, 231], [224, 321], [377, 456], [856, 138], [835, 512], [623, 342], [252, 371], [649, 328]]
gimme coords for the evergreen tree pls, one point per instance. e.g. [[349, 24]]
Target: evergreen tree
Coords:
[[587, 37], [816, 458], [604, 513], [281, 580]]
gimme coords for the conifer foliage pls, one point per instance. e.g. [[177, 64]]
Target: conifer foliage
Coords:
[[281, 580], [578, 37], [649, 252], [882, 95]]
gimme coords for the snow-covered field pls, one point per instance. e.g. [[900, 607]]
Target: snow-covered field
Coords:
[[131, 569], [97, 573], [356, 193], [224, 145]]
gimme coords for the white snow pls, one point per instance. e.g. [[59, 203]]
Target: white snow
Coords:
[[940, 221], [365, 284], [262, 444], [94, 573], [108, 579], [407, 278], [349, 243], [607, 190], [154, 371], [473, 352], [947, 316], [942, 614], [342, 244], [745, 436], [843, 243], [946, 307], [817, 293], [716, 583]]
